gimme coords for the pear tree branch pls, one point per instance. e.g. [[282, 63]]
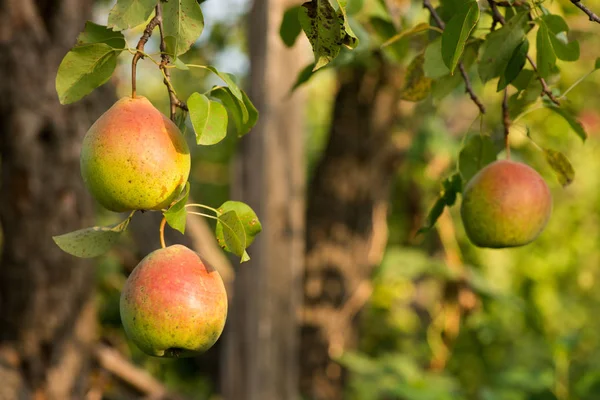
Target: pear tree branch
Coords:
[[593, 17], [165, 60], [545, 88], [140, 52], [468, 88]]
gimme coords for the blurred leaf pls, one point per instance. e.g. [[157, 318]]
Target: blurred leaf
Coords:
[[323, 27], [247, 216], [416, 85], [561, 166], [570, 118], [546, 59], [567, 51], [478, 151], [94, 33], [91, 242], [419, 28], [180, 65], [183, 23], [457, 32], [83, 69], [233, 234], [597, 64], [500, 45], [127, 14], [523, 79], [450, 188], [304, 75], [514, 66], [434, 66], [290, 27], [209, 119], [176, 214]]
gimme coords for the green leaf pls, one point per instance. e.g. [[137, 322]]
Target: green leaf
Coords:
[[91, 242], [290, 26], [176, 214], [94, 33], [419, 28], [183, 23], [234, 110], [514, 66], [349, 39], [457, 32], [129, 13], [450, 188], [181, 65], [234, 88], [433, 65], [546, 59], [247, 216], [303, 76], [500, 45], [564, 50], [209, 119], [416, 85], [233, 238], [478, 151], [570, 118], [561, 166], [324, 28], [597, 64], [83, 69]]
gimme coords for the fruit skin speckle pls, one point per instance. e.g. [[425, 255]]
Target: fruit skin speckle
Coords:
[[134, 158], [506, 204], [173, 304]]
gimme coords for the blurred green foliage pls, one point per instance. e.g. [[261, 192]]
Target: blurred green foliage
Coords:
[[531, 333]]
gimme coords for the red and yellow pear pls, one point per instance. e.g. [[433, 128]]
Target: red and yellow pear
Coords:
[[506, 204], [134, 158], [173, 304]]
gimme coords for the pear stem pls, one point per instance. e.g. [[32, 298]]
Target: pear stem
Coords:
[[506, 122], [140, 52], [162, 232]]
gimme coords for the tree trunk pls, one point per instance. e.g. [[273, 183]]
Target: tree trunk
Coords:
[[346, 229], [46, 312], [260, 360]]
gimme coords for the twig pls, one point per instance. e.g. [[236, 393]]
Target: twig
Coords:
[[173, 99], [468, 88], [506, 122], [162, 232], [112, 361], [140, 52], [590, 13], [545, 88]]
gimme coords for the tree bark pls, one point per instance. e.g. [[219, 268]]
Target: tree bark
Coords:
[[346, 229], [46, 311], [261, 337]]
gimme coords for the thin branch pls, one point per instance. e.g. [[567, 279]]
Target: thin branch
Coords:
[[140, 52], [590, 13], [545, 88], [506, 122], [173, 99], [468, 88], [112, 361]]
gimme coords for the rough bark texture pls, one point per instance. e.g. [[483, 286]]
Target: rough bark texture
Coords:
[[260, 360], [346, 227], [46, 314]]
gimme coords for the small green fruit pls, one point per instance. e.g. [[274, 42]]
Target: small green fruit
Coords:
[[173, 304], [134, 158], [506, 204]]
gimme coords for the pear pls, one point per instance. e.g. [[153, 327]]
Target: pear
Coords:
[[506, 204], [134, 158], [173, 304]]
